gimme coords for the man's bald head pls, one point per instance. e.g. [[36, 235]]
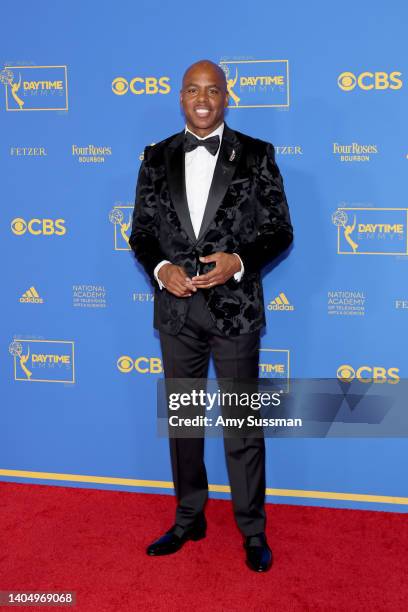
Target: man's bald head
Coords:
[[205, 66]]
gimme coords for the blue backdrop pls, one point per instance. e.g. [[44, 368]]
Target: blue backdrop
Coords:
[[86, 85]]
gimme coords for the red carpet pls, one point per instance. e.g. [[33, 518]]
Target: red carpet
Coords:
[[92, 542]]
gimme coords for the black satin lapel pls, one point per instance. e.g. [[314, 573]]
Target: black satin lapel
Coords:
[[177, 186], [224, 171]]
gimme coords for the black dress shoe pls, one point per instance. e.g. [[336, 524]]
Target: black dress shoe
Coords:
[[258, 554], [171, 542]]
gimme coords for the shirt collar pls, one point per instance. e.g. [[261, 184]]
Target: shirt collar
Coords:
[[219, 131]]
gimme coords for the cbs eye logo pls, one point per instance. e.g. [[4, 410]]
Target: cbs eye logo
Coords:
[[143, 365], [46, 227], [346, 373], [368, 374], [347, 81], [140, 85], [18, 226], [120, 86]]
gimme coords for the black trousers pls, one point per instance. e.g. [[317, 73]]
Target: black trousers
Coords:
[[187, 356]]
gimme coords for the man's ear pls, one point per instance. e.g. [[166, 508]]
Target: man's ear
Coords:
[[226, 102]]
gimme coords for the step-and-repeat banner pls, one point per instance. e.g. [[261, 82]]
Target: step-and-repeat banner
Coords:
[[85, 86]]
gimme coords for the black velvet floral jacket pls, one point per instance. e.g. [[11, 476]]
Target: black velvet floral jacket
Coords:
[[246, 213]]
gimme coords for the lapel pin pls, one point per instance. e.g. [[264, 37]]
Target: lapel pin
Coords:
[[232, 156]]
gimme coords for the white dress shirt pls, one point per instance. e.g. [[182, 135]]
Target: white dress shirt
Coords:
[[199, 171]]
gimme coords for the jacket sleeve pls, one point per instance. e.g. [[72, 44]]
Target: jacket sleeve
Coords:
[[144, 237], [275, 232]]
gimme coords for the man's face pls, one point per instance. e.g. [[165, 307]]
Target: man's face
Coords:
[[204, 98]]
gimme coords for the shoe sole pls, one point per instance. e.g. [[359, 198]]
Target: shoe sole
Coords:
[[258, 571], [195, 538]]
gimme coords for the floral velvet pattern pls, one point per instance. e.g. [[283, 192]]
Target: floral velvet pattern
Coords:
[[246, 213]]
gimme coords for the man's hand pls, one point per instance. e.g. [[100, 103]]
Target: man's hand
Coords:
[[226, 265], [176, 280]]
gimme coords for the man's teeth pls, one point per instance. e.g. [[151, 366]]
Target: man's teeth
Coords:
[[202, 111]]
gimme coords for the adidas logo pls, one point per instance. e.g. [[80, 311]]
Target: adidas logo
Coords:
[[281, 302], [31, 297]]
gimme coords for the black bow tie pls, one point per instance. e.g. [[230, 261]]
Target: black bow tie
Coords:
[[191, 142]]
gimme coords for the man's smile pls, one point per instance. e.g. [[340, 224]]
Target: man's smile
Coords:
[[202, 111]]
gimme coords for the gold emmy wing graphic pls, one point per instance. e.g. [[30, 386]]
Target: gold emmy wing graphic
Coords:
[[7, 78], [16, 350], [231, 83], [116, 217], [340, 219]]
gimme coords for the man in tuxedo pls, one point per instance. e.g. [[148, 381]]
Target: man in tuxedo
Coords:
[[210, 213]]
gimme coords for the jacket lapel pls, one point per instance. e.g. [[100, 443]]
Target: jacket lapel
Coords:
[[177, 183], [228, 158]]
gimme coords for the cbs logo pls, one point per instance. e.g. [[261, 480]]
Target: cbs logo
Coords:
[[347, 81], [46, 227], [143, 365], [139, 85], [367, 374]]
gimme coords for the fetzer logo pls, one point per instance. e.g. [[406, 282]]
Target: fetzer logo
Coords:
[[31, 296]]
